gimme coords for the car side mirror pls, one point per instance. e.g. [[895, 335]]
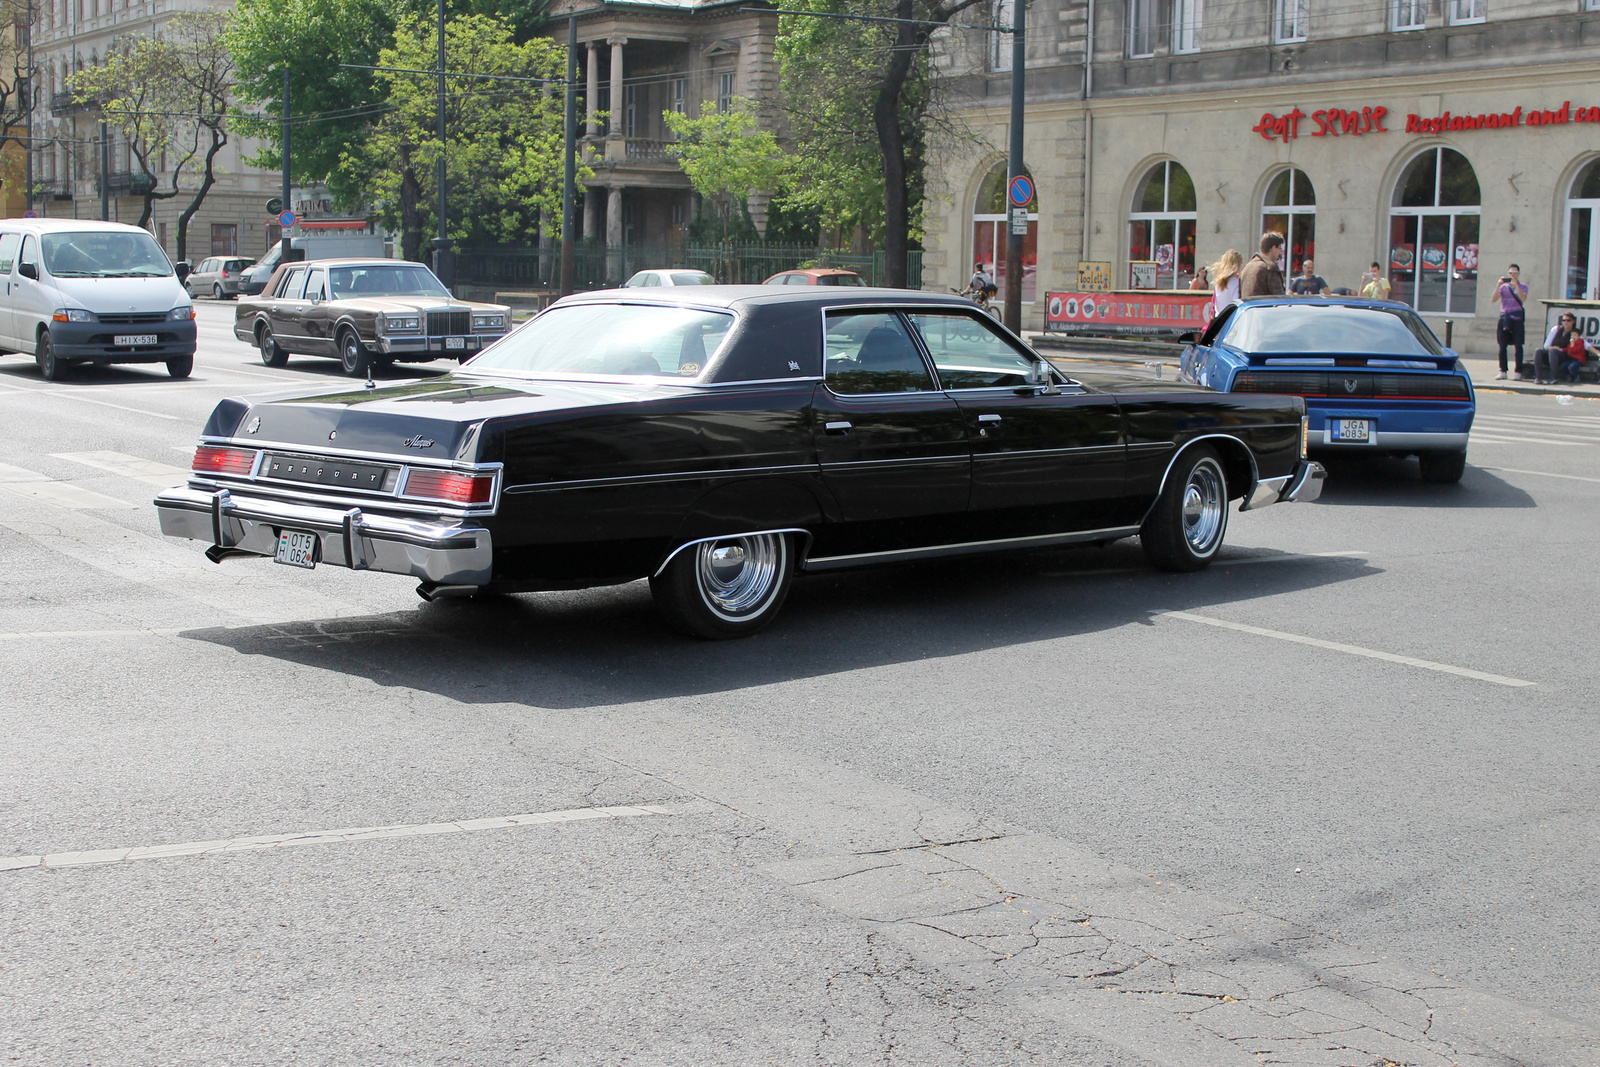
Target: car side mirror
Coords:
[[1039, 375], [1188, 338], [28, 270], [182, 269]]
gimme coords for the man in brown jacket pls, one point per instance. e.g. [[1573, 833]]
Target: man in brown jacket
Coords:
[[1262, 276]]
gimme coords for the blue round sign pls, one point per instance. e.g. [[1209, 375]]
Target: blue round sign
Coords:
[[30, 214], [1021, 190], [286, 219]]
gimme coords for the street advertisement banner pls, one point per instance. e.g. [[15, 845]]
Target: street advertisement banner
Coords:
[[1167, 313]]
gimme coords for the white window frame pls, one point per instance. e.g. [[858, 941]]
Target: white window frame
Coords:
[[1409, 15], [1291, 21], [1141, 29], [1186, 21], [725, 92], [1002, 12], [1467, 12]]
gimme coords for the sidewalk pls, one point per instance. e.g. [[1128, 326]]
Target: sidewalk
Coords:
[[1482, 371]]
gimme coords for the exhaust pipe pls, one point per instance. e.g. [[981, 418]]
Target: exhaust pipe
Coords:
[[432, 591]]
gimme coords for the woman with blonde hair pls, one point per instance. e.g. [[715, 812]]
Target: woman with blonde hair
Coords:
[[1225, 279]]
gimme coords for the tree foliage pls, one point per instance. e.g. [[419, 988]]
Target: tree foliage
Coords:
[[726, 155], [168, 95], [15, 77], [503, 151]]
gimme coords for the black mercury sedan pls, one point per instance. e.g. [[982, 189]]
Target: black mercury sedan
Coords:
[[718, 440]]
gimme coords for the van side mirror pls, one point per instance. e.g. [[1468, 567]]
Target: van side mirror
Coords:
[[28, 270], [182, 269]]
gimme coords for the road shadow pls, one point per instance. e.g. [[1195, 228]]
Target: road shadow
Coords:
[[601, 647], [1382, 481]]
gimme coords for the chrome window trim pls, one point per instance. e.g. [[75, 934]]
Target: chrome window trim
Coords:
[[1108, 533], [748, 533]]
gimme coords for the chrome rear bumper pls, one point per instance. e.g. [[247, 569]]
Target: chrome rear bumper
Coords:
[[1305, 484], [444, 552]]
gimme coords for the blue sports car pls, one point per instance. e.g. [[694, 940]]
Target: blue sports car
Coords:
[[1375, 378]]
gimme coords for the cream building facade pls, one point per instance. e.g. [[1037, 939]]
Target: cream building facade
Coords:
[[1444, 140], [71, 35]]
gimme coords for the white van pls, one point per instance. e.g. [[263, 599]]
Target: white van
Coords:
[[91, 292]]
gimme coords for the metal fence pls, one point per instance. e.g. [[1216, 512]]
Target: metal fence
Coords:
[[598, 267]]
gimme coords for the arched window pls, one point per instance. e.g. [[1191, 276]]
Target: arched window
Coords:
[[1290, 208], [1582, 259], [1161, 228], [1433, 234], [989, 234]]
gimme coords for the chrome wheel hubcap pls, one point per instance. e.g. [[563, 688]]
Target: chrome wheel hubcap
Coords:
[[737, 575], [1203, 504]]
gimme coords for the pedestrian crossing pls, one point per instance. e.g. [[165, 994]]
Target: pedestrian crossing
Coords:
[[1560, 431]]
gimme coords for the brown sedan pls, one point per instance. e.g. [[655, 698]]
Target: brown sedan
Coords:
[[364, 312]]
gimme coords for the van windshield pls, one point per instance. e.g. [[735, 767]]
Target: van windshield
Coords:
[[104, 254]]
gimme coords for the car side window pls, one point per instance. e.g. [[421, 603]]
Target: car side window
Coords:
[[30, 252], [8, 251], [293, 283], [872, 352], [207, 266], [968, 353], [315, 289]]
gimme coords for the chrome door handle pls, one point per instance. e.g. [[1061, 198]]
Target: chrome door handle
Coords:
[[986, 422], [988, 418], [837, 427]]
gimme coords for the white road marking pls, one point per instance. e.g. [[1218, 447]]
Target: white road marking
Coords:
[[1354, 650], [162, 475], [63, 494], [74, 634], [320, 837], [1544, 474], [66, 395], [8, 473], [1483, 439]]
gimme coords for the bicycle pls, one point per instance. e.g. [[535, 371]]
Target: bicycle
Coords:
[[979, 297]]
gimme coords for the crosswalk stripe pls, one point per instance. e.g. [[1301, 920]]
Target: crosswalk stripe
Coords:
[[162, 475], [63, 494]]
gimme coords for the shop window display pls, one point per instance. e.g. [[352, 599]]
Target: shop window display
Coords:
[[1433, 234], [1161, 224], [989, 239], [1290, 208], [1582, 259]]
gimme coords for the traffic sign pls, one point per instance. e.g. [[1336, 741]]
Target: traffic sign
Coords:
[[1021, 190], [274, 205], [286, 219], [30, 214], [1019, 221]]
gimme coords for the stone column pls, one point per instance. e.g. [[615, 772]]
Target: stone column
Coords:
[[591, 200], [614, 217], [591, 99], [616, 147]]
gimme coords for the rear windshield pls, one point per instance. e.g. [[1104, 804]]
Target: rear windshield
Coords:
[[692, 277], [1318, 329], [611, 339], [840, 279], [104, 254]]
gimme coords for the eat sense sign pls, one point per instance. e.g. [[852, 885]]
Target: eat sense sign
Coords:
[[1331, 122]]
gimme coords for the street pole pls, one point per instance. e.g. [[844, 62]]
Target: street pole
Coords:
[[441, 244], [570, 147], [29, 176], [105, 175], [283, 256], [1015, 239]]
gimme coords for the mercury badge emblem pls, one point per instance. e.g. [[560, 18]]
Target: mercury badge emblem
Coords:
[[418, 441], [1350, 384], [255, 424]]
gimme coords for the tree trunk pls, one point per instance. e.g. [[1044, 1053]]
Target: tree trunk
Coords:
[[892, 146], [410, 214], [218, 140]]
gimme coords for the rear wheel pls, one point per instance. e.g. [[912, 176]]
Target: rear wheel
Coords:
[[216, 290], [730, 587], [1185, 528], [1443, 468], [353, 355], [52, 368], [181, 367], [271, 354]]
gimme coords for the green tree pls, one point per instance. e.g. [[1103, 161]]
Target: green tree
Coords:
[[726, 155], [859, 98], [168, 95], [503, 151]]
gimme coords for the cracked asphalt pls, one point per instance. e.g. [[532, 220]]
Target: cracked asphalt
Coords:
[[998, 811]]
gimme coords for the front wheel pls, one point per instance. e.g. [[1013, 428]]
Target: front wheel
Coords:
[[730, 587], [181, 367], [1184, 530], [52, 368], [1443, 468], [353, 354]]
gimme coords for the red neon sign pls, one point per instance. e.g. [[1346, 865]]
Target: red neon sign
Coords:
[[1331, 122]]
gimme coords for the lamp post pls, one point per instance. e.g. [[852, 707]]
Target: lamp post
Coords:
[[1017, 217], [569, 147], [442, 265]]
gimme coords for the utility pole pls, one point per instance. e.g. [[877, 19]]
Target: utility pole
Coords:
[[284, 120], [570, 147], [29, 176], [1017, 217], [442, 266], [105, 175]]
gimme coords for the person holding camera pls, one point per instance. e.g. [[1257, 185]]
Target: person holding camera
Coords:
[[1510, 330], [1374, 286]]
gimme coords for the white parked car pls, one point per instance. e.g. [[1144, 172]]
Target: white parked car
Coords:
[[679, 276]]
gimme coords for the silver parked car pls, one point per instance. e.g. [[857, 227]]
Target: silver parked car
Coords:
[[221, 277]]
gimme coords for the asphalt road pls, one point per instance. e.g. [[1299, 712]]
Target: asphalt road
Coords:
[[1331, 802]]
